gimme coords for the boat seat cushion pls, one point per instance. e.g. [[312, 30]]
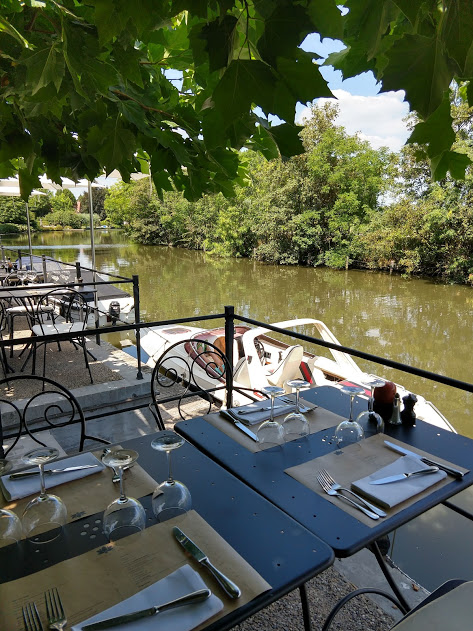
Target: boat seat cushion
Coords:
[[288, 367]]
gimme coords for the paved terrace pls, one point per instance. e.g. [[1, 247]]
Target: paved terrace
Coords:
[[115, 386]]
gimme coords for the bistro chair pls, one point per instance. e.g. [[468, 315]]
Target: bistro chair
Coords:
[[72, 317], [186, 370], [31, 404], [448, 603]]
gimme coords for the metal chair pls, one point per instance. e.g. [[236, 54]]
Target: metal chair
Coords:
[[50, 407], [72, 316], [188, 369]]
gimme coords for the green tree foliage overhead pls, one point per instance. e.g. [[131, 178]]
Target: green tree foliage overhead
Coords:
[[88, 87]]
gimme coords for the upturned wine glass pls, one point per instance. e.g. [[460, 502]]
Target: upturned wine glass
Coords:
[[371, 422], [349, 431], [125, 515], [171, 498], [11, 530], [45, 515], [271, 432], [295, 424]]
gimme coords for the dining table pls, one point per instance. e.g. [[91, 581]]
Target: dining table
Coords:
[[285, 475], [270, 551]]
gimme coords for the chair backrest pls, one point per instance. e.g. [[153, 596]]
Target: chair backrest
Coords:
[[31, 403], [69, 304], [186, 377], [288, 367]]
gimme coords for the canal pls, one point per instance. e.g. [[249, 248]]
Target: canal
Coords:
[[419, 322]]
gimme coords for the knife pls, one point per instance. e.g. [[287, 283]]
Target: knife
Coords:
[[403, 476], [240, 425], [189, 546], [402, 450], [189, 599], [26, 474]]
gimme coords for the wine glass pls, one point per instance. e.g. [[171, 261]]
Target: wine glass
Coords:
[[125, 515], [171, 498], [349, 431], [11, 530], [271, 433], [45, 515], [21, 273], [31, 276], [371, 422], [295, 424]]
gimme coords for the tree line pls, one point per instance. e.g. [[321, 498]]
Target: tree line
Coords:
[[340, 203]]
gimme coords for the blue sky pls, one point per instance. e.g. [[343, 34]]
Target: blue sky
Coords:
[[377, 117]]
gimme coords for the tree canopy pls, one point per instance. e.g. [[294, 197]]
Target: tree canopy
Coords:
[[179, 86]]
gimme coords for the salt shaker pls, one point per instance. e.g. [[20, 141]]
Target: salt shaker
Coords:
[[396, 415]]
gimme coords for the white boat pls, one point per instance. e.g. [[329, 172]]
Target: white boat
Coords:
[[261, 360]]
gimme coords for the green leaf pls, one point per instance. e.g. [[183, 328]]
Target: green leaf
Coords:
[[437, 130], [244, 83], [351, 61], [410, 8], [6, 27], [450, 161], [285, 29], [113, 144], [419, 66], [303, 77], [458, 31], [264, 142], [287, 138], [219, 37], [44, 67], [326, 18], [367, 21]]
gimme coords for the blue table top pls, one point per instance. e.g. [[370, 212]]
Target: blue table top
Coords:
[[264, 472], [284, 553]]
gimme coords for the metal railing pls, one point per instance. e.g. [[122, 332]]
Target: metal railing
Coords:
[[229, 317]]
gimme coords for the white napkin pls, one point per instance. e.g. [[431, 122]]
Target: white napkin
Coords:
[[258, 414], [388, 495], [16, 489], [181, 582]]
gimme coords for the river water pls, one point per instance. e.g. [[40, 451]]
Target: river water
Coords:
[[415, 321]]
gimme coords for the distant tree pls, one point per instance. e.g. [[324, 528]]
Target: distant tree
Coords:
[[63, 201], [12, 210], [98, 201], [40, 205]]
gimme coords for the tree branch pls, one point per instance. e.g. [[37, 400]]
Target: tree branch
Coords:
[[127, 97]]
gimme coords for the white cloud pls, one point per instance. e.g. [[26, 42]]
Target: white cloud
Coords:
[[377, 119]]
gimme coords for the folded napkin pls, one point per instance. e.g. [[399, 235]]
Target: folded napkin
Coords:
[[181, 582], [388, 495], [261, 411], [16, 489]]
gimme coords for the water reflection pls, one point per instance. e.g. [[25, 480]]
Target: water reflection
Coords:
[[418, 322]]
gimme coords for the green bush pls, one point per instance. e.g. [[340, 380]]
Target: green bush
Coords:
[[11, 228]]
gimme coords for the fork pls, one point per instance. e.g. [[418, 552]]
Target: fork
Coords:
[[54, 610], [337, 487], [31, 619], [330, 491]]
